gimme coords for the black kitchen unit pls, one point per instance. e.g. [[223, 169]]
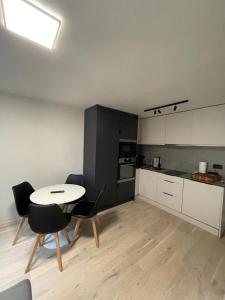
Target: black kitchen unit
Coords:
[[105, 130]]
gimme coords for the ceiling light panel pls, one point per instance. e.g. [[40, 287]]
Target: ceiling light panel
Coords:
[[31, 22]]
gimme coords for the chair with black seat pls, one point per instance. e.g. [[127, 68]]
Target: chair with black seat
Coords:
[[22, 194], [74, 179], [47, 219], [87, 210]]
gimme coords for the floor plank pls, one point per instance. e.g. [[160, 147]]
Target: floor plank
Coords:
[[145, 253]]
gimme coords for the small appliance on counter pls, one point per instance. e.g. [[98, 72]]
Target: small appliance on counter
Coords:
[[157, 162]]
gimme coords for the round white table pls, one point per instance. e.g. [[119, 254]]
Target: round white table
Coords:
[[66, 193], [57, 194]]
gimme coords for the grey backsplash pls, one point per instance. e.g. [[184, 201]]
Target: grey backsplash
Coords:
[[185, 158]]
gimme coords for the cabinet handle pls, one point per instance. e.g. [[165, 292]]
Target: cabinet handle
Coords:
[[168, 194], [168, 181]]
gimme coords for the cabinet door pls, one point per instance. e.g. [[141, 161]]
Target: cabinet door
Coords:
[[169, 191], [203, 202], [126, 191], [179, 128], [128, 126], [137, 180], [106, 163], [209, 126], [153, 131], [147, 184]]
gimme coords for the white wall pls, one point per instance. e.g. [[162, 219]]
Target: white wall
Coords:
[[39, 142]]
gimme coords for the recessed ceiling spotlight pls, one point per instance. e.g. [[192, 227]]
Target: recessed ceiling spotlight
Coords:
[[31, 22]]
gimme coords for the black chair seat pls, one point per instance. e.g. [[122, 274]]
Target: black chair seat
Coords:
[[45, 219], [88, 210], [22, 194], [75, 179], [84, 209]]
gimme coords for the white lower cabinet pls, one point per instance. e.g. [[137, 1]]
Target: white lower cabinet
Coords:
[[147, 184], [198, 203], [203, 202], [169, 191]]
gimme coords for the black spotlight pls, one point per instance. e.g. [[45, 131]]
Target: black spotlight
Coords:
[[154, 112], [159, 111], [175, 108]]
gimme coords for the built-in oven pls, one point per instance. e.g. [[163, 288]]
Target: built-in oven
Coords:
[[126, 169], [127, 148]]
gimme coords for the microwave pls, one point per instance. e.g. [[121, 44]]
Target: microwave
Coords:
[[127, 148]]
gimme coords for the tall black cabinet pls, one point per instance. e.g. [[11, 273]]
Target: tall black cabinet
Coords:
[[103, 128]]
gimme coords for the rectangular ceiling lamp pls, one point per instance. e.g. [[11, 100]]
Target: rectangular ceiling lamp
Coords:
[[31, 22]]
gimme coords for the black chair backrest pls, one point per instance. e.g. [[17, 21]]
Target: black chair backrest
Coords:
[[99, 199], [45, 219], [75, 179], [22, 194]]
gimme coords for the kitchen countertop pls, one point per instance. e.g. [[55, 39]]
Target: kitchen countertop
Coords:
[[184, 176]]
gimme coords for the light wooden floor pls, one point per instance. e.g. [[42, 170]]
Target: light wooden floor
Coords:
[[144, 253]]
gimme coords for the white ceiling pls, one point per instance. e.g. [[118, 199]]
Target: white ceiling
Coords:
[[127, 54]]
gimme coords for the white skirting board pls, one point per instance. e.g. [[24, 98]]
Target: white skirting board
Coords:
[[182, 216], [9, 223]]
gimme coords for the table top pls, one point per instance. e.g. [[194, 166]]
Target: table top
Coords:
[[71, 192]]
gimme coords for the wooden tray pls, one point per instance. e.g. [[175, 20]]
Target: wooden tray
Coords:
[[206, 178]]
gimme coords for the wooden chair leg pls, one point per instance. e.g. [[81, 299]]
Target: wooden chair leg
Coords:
[[18, 230], [33, 252], [97, 218], [77, 226], [59, 259], [41, 241], [95, 232], [66, 235]]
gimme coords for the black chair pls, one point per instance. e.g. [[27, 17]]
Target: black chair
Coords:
[[75, 179], [87, 210], [22, 194], [47, 219]]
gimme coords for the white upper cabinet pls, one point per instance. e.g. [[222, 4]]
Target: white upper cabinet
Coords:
[[153, 131], [208, 126], [179, 128], [205, 126]]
